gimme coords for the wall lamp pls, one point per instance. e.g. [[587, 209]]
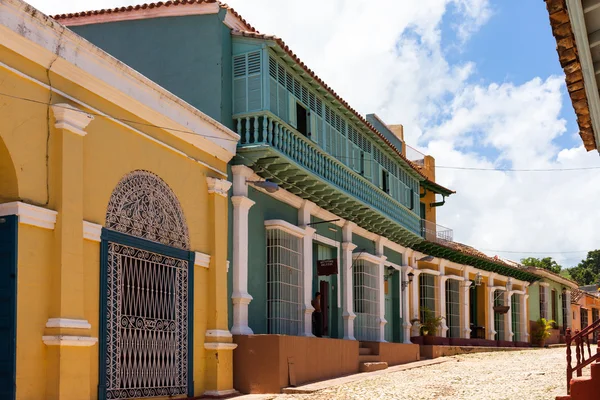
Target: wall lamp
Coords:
[[270, 187], [410, 279]]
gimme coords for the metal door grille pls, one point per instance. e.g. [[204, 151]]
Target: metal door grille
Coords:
[[426, 293], [366, 301], [515, 309], [453, 308], [147, 324], [284, 282], [499, 318]]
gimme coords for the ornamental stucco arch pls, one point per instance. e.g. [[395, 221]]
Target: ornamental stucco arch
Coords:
[[143, 205]]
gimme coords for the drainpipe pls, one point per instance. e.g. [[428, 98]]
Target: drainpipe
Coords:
[[439, 203]]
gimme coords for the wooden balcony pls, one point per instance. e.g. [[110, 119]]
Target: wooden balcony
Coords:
[[281, 154]]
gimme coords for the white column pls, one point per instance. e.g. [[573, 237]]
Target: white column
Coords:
[[347, 301], [569, 321], [307, 263], [404, 291], [491, 332], [415, 302], [508, 320], [442, 304], [380, 289], [466, 310], [524, 320], [241, 206]]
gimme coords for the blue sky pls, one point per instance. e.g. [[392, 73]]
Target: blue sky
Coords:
[[514, 45]]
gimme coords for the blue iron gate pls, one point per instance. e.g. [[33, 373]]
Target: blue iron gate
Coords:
[[146, 310], [8, 305]]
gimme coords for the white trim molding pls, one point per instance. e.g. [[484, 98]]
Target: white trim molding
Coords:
[[219, 333], [428, 271], [68, 323], [544, 284], [219, 346], [201, 260], [218, 186], [30, 215], [368, 257], [71, 118], [69, 341], [287, 227], [92, 231]]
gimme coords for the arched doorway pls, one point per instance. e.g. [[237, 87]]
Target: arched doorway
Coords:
[[146, 275]]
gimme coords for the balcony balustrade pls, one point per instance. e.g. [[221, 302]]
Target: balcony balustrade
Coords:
[[436, 233], [264, 131]]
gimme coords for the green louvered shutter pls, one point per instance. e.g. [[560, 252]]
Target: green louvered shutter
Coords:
[[292, 111], [247, 83], [367, 166]]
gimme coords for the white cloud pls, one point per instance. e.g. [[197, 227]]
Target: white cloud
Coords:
[[386, 57]]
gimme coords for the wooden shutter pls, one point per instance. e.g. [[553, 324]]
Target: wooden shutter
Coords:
[[367, 165], [292, 111], [314, 126], [282, 102], [239, 84], [247, 82]]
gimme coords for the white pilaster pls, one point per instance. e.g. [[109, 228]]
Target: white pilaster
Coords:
[[404, 291], [442, 304], [466, 311], [524, 319], [307, 263], [241, 206], [508, 320], [347, 301], [415, 302], [569, 321], [491, 331], [380, 283]]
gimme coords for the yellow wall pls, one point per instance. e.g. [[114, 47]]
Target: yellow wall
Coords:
[[28, 141]]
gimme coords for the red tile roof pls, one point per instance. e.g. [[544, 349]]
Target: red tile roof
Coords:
[[83, 14], [253, 33]]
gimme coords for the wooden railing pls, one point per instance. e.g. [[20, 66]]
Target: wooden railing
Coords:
[[582, 342]]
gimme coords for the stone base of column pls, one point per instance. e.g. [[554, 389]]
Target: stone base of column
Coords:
[[492, 335], [308, 312], [382, 323], [240, 314], [406, 328], [349, 326], [219, 367], [68, 371], [466, 334]]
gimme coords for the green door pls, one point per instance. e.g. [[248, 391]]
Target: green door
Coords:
[[8, 308]]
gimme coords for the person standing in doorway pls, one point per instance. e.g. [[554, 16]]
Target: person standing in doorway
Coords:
[[317, 315]]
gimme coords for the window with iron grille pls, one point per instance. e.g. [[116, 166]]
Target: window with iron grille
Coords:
[[515, 309], [499, 318], [543, 303], [366, 300], [284, 282], [426, 294], [453, 308]]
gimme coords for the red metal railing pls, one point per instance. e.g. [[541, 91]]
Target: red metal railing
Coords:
[[581, 339]]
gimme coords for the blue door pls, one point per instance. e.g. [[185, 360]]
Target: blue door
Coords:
[[8, 305]]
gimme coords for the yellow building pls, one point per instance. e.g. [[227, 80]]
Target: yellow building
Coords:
[[113, 233]]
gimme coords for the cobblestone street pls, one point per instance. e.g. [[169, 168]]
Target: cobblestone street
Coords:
[[519, 375]]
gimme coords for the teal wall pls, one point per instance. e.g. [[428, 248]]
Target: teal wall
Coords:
[[190, 56], [329, 230], [392, 256], [362, 243]]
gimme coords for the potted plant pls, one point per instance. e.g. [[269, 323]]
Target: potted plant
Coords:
[[542, 331], [428, 326]]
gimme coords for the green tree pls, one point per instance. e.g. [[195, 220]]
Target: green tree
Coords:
[[588, 270], [545, 263]]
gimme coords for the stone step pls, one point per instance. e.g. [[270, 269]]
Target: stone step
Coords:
[[368, 358], [372, 366], [365, 351]]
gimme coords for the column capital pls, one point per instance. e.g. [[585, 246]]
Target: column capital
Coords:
[[467, 283], [218, 186], [242, 170], [347, 246], [71, 118], [241, 298], [309, 231], [242, 202]]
